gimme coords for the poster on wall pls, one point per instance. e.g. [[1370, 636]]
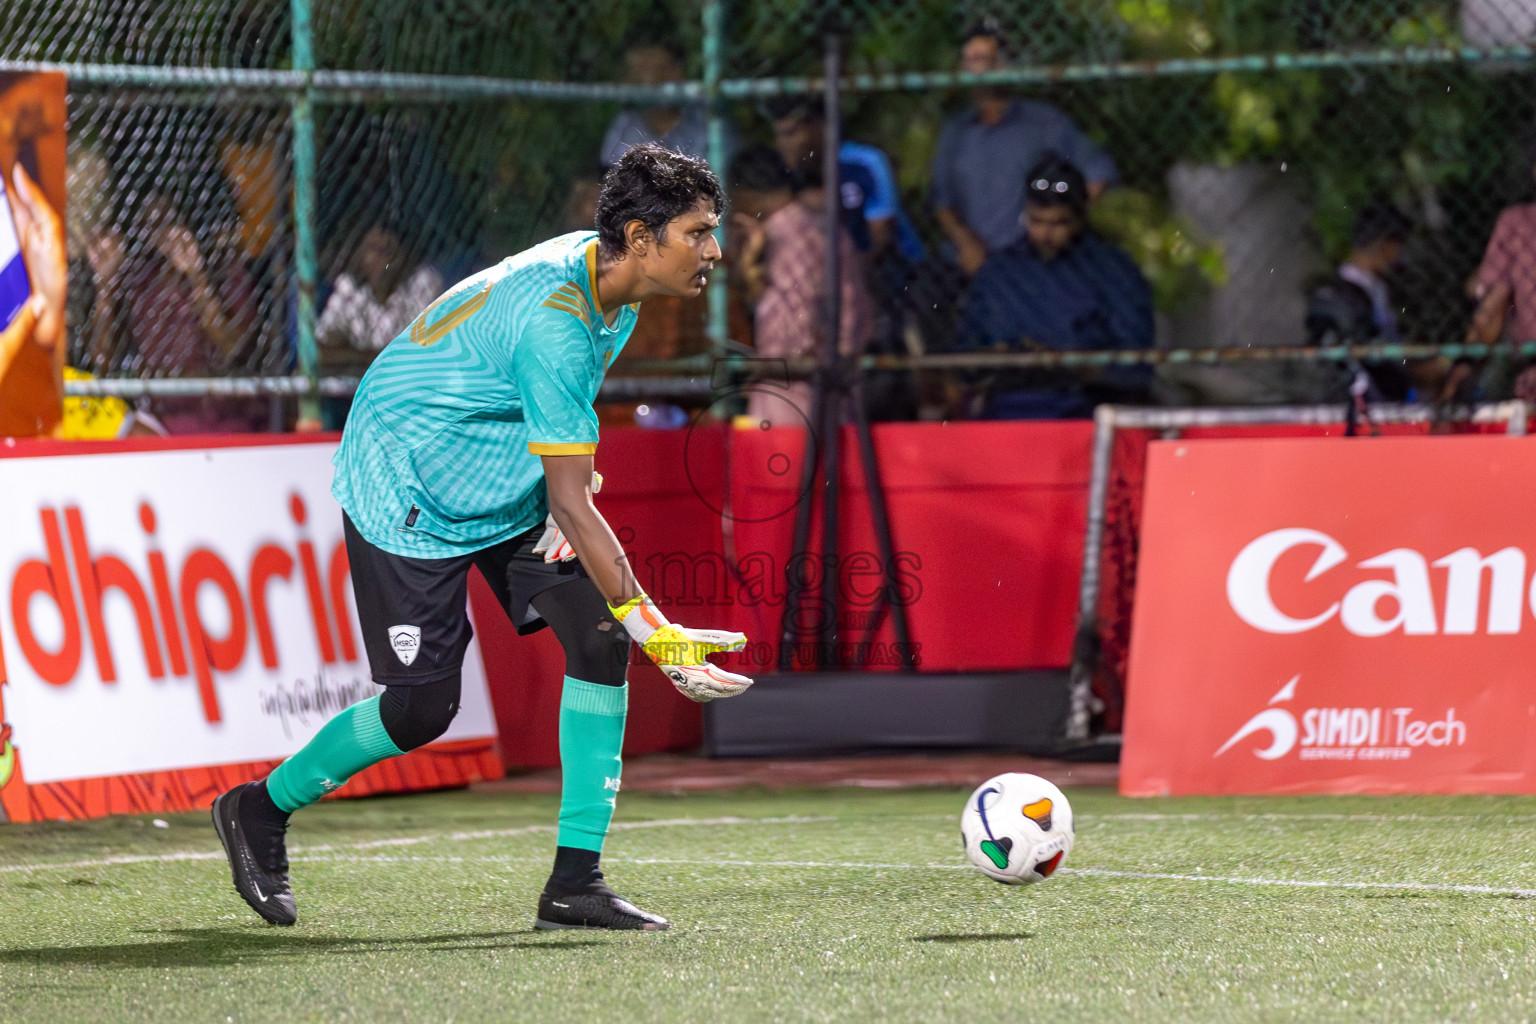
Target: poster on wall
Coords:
[[174, 621], [33, 120], [1335, 616]]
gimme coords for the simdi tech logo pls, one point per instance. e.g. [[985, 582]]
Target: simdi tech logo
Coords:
[[1345, 734]]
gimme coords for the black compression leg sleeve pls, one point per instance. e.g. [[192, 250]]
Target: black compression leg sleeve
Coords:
[[416, 715], [596, 645]]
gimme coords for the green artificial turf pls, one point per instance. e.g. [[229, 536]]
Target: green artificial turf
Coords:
[[824, 905]]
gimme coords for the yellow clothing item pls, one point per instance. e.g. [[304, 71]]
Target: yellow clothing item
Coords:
[[91, 419]]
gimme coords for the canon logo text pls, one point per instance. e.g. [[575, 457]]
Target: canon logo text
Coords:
[[1357, 604]]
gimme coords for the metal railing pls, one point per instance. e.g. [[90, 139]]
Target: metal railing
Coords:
[[306, 89]]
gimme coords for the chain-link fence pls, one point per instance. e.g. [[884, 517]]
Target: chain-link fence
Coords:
[[1244, 143]]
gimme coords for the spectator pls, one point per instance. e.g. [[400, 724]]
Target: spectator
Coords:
[[983, 155], [871, 205], [1354, 306], [1505, 286], [382, 290], [254, 201], [96, 253], [874, 219], [1059, 288], [779, 242], [682, 128], [190, 312]]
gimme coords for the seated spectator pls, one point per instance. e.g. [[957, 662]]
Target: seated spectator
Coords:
[[983, 155], [96, 251], [382, 290], [1059, 288], [191, 313], [1354, 306], [1505, 286], [682, 128], [779, 261]]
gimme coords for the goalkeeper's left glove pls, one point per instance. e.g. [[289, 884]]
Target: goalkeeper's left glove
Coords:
[[681, 652], [552, 543]]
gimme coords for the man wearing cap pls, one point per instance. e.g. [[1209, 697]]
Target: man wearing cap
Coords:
[[1058, 288]]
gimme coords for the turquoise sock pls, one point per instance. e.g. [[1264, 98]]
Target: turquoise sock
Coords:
[[344, 746], [591, 737]]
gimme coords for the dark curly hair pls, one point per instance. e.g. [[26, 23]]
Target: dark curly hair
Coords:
[[652, 184]]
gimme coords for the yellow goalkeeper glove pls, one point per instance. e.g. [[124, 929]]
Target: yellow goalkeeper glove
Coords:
[[681, 652]]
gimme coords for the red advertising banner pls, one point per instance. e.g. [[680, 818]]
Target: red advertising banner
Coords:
[[179, 618], [1335, 616]]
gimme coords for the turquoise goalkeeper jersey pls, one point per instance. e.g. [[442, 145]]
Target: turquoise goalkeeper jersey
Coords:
[[440, 455]]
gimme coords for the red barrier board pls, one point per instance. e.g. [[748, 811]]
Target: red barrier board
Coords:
[[178, 617], [987, 522], [1334, 616]]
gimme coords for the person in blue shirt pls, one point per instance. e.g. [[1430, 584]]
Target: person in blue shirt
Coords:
[[1059, 288], [890, 249], [470, 445], [982, 154]]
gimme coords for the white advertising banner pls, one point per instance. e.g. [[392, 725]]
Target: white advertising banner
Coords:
[[166, 610]]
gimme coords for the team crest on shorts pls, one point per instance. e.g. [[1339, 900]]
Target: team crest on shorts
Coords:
[[406, 640]]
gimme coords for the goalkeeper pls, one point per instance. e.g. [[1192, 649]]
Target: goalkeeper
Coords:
[[466, 430]]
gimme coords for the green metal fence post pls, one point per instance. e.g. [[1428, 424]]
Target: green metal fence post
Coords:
[[304, 258], [719, 328]]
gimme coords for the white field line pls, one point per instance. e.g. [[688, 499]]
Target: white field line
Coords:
[[302, 852], [1301, 883], [333, 854], [459, 837], [1088, 817], [1132, 816], [1294, 883]]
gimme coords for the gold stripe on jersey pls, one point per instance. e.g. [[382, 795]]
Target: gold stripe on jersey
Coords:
[[577, 296], [592, 274], [575, 448], [424, 336], [564, 306]]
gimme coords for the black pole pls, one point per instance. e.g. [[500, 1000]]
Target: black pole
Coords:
[[833, 385], [789, 628], [875, 488]]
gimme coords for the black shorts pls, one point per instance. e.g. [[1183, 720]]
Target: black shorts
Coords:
[[412, 610]]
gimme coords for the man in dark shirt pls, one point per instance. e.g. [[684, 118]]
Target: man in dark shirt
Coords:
[[1059, 288]]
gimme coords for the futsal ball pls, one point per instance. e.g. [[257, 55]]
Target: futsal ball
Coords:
[[1017, 828]]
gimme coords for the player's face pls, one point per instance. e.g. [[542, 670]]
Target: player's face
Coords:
[[681, 266]]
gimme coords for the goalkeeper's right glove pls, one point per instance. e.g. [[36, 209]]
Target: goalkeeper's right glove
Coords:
[[681, 652], [552, 543]]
